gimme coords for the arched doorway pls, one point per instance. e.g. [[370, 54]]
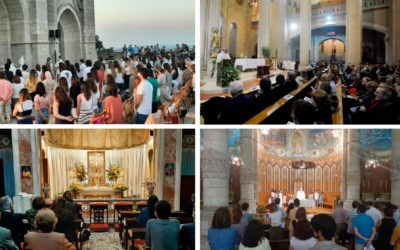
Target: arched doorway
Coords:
[[69, 36], [11, 27], [331, 50], [232, 39]]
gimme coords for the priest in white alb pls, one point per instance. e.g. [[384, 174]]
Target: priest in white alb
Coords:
[[301, 195]]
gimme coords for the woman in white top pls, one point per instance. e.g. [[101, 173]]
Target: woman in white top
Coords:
[[49, 84], [253, 237], [303, 235], [95, 93], [84, 106], [275, 220]]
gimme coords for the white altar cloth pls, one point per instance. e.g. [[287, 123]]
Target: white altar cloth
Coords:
[[249, 63], [305, 203]]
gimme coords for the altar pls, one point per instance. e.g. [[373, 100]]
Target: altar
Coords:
[[95, 192], [305, 203], [248, 63]]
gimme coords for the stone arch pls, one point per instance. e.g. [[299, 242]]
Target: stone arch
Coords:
[[12, 29], [70, 35]]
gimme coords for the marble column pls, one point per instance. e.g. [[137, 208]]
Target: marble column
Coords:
[[159, 159], [395, 173], [248, 172], [178, 170], [263, 26], [278, 30], [210, 12], [215, 174], [394, 35], [353, 32], [353, 167], [343, 184], [305, 33]]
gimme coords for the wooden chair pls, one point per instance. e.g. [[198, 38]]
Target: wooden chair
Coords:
[[121, 206], [99, 211], [122, 215]]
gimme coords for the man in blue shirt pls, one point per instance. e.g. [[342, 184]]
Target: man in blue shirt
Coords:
[[364, 228]]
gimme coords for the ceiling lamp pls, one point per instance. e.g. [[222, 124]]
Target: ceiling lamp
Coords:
[[253, 3]]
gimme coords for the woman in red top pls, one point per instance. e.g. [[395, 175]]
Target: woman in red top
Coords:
[[113, 105]]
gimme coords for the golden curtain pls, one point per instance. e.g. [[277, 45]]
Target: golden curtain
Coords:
[[96, 139]]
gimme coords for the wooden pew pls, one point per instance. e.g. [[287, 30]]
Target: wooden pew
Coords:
[[330, 199], [279, 112], [122, 216]]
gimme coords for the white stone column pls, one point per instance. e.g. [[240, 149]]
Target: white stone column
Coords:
[[343, 184], [278, 29], [210, 11], [36, 173], [17, 169], [305, 33], [395, 174], [159, 160], [263, 26], [353, 32], [89, 31], [353, 167], [248, 172], [215, 174], [178, 170]]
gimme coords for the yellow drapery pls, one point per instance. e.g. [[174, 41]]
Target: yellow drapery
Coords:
[[96, 139]]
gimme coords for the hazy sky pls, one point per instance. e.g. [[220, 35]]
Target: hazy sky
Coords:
[[145, 22]]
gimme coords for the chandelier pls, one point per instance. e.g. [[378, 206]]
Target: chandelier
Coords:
[[253, 3]]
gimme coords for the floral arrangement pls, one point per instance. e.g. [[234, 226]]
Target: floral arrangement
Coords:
[[229, 74], [120, 186], [113, 172], [80, 172], [75, 187]]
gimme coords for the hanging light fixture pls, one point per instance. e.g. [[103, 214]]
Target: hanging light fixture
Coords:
[[253, 3]]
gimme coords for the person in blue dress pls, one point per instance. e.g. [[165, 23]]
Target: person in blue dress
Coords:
[[221, 236]]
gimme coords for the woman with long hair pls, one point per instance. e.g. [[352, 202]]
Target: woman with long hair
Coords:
[[23, 108], [113, 105], [253, 237], [221, 235], [62, 108], [303, 235], [63, 82], [148, 212], [95, 92], [84, 108], [65, 223], [75, 89], [42, 104], [31, 83], [48, 84]]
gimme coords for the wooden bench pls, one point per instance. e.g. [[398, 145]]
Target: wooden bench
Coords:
[[279, 112], [133, 234]]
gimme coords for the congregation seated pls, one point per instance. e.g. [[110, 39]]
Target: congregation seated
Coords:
[[44, 237], [37, 204], [6, 241], [253, 237], [147, 212], [162, 232], [11, 221], [65, 219], [221, 235], [236, 111]]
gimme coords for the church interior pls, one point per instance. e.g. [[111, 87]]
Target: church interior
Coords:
[[319, 167], [110, 175], [299, 46]]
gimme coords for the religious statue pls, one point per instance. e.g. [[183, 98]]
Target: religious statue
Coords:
[[216, 40], [298, 144]]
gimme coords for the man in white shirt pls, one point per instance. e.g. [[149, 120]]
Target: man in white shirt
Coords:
[[88, 68], [64, 72], [144, 97], [82, 69], [301, 195], [374, 213], [316, 197]]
